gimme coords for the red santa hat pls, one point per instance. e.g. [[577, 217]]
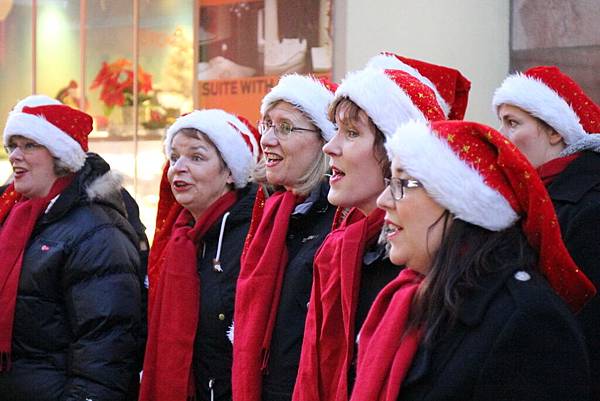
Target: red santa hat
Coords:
[[250, 135], [481, 178], [547, 93], [237, 141], [61, 129], [309, 94], [389, 97], [451, 88]]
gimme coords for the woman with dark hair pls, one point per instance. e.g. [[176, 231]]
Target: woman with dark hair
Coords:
[[477, 312], [557, 127], [204, 212], [350, 268], [70, 308], [286, 230]]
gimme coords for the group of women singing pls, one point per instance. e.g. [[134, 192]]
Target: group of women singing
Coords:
[[362, 243]]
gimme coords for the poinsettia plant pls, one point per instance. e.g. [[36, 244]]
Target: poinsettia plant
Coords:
[[116, 82]]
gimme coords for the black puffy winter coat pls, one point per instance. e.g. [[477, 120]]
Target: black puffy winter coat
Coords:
[[575, 194], [78, 309], [213, 351]]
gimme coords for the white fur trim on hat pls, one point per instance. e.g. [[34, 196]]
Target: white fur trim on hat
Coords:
[[214, 123], [390, 62], [541, 101], [380, 97], [245, 131], [306, 93], [453, 183], [35, 127], [34, 101]]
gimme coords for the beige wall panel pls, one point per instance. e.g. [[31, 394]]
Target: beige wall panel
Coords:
[[471, 35]]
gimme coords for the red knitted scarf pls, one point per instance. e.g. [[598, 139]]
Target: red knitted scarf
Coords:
[[174, 309], [257, 296], [328, 346], [385, 349], [17, 216]]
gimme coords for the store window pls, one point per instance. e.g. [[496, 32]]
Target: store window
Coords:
[[93, 54], [84, 53], [15, 63], [244, 46]]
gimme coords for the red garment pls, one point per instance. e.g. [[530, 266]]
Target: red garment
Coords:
[[552, 169], [328, 346], [18, 216], [257, 296], [257, 213], [385, 349], [174, 309], [166, 215]]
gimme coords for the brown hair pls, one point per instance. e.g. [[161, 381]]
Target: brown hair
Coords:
[[196, 134], [350, 112], [61, 169]]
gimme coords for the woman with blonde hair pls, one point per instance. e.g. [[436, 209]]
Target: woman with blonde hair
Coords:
[[286, 230]]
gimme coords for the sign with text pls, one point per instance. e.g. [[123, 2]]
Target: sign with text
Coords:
[[245, 46]]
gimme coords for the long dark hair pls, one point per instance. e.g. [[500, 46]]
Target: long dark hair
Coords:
[[467, 252]]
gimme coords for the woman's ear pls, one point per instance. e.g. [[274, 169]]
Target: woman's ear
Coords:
[[554, 137], [230, 179]]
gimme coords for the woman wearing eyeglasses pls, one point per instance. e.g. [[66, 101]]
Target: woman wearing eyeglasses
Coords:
[[204, 212], [70, 298], [477, 313], [350, 267], [287, 228]]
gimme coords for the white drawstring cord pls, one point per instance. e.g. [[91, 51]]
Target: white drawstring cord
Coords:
[[211, 383], [216, 260]]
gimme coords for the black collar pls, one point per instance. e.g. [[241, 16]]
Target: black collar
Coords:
[[316, 201], [582, 175], [477, 299]]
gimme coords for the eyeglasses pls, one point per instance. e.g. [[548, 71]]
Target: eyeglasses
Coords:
[[282, 129], [26, 148], [397, 186]]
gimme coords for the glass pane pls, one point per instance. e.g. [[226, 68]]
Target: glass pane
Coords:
[[15, 63], [167, 54], [58, 50], [109, 55], [244, 46], [108, 75]]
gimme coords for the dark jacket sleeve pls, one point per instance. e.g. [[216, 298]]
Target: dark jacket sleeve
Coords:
[[524, 364], [102, 297], [582, 238]]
